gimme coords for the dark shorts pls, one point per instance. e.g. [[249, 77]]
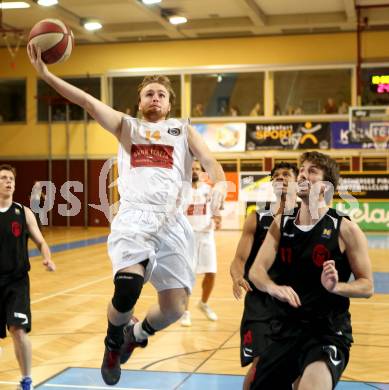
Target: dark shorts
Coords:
[[258, 326], [285, 361], [15, 305]]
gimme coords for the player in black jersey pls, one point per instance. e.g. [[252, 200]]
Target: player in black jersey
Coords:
[[313, 255], [17, 223], [254, 232]]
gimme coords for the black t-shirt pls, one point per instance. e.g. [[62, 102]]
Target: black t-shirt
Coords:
[[14, 261]]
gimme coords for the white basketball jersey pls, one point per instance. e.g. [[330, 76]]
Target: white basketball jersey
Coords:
[[199, 211], [157, 167]]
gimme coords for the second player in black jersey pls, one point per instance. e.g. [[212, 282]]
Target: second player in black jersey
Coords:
[[255, 228], [304, 265]]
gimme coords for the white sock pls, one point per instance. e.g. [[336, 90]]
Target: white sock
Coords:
[[139, 333]]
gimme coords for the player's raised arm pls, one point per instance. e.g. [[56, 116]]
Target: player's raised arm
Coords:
[[105, 115]]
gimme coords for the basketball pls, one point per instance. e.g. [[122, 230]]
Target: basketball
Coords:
[[54, 38]]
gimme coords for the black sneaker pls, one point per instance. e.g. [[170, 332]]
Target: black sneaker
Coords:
[[110, 368], [130, 343]]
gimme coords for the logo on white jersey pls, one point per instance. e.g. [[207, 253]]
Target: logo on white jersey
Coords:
[[22, 316], [174, 131]]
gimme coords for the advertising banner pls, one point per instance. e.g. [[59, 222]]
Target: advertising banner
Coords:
[[364, 185], [370, 216], [255, 187], [295, 136], [223, 137], [364, 135]]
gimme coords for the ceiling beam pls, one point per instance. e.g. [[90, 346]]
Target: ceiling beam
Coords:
[[154, 12], [254, 12], [307, 20]]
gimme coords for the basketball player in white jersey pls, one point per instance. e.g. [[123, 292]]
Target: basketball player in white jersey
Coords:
[[150, 237], [203, 223]]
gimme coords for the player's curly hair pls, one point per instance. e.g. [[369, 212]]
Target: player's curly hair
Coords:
[[326, 163]]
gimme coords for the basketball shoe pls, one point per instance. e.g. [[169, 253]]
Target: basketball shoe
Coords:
[[211, 315], [25, 384], [110, 368], [186, 319], [130, 342]]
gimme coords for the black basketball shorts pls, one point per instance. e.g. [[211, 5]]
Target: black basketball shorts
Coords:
[[15, 305]]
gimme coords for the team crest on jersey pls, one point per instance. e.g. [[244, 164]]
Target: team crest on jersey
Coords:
[[174, 131], [320, 254], [16, 228], [326, 233]]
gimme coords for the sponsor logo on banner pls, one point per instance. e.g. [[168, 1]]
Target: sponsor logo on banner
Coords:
[[373, 216], [295, 136], [361, 136], [255, 187], [222, 137], [364, 185], [152, 155]]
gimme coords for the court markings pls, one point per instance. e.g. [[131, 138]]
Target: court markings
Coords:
[[90, 379]]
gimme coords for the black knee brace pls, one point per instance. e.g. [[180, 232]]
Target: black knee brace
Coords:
[[127, 290]]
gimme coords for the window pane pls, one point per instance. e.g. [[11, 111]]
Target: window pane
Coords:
[[125, 94], [375, 87], [46, 94], [12, 101], [326, 91], [227, 94]]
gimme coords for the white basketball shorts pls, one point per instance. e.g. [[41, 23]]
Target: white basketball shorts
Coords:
[[205, 260], [166, 240]]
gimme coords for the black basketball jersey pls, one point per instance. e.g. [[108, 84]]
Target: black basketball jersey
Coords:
[[299, 264], [256, 306], [264, 220], [14, 261]]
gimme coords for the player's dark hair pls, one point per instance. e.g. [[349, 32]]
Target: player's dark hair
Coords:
[[285, 165], [7, 167]]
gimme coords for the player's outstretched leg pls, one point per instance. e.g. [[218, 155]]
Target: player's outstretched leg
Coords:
[[128, 286]]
